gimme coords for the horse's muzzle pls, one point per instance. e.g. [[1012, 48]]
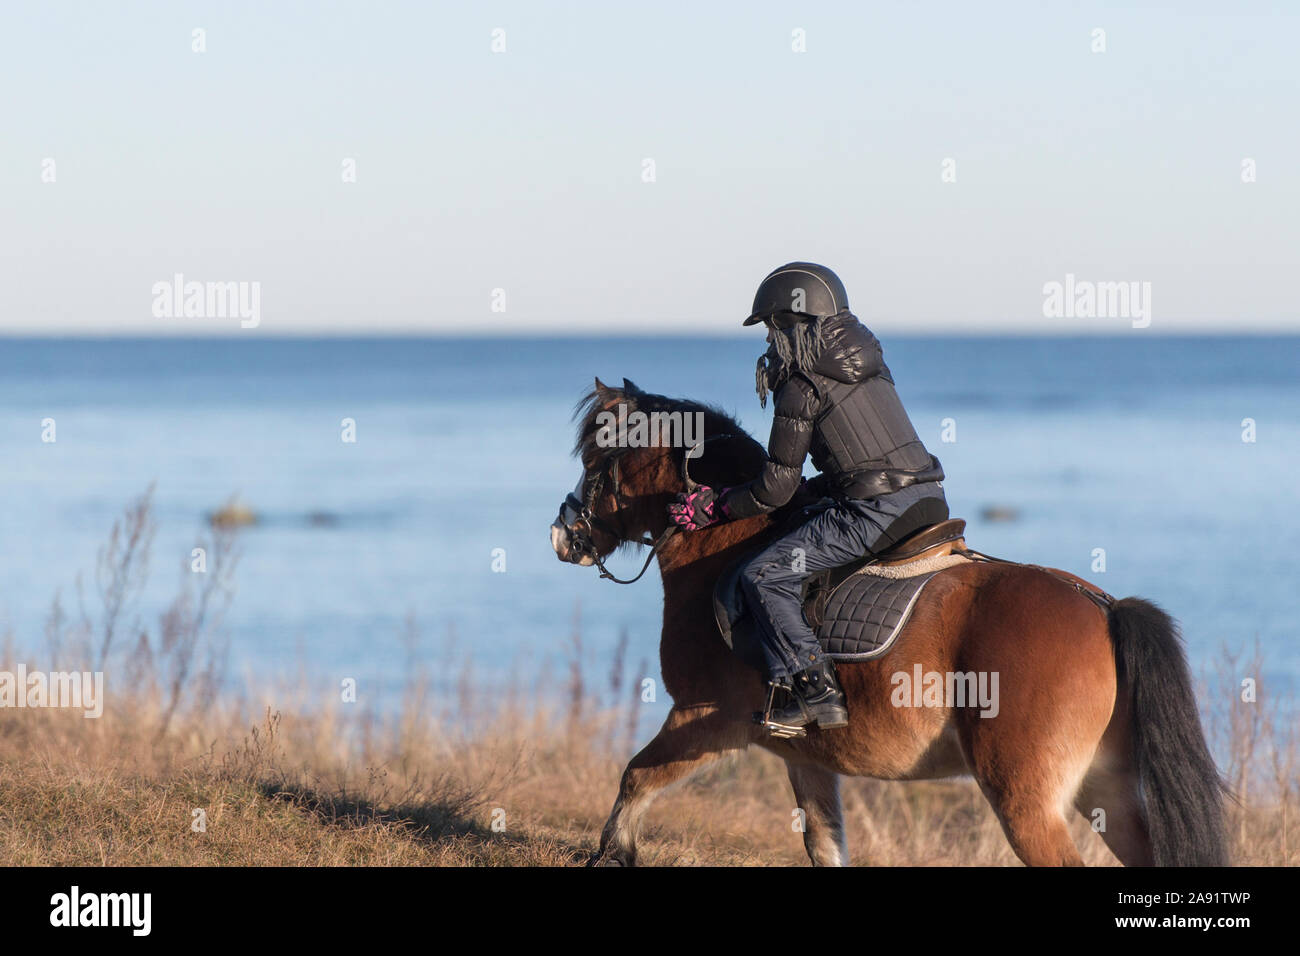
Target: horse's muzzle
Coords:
[[562, 542]]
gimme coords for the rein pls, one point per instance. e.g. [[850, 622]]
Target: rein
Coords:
[[586, 511]]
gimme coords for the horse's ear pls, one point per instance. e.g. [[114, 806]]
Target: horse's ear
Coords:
[[629, 387], [601, 386]]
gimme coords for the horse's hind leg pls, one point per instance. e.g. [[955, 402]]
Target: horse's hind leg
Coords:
[[1115, 793], [817, 793], [1031, 783], [1112, 787], [1032, 748], [691, 739], [1036, 830]]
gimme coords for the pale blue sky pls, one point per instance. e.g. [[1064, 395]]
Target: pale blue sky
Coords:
[[523, 170]]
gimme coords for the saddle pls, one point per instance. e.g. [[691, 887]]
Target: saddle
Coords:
[[859, 608], [931, 541]]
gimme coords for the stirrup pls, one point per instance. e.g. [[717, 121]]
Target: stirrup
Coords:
[[764, 719]]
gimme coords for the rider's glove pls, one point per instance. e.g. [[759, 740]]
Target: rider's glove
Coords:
[[698, 509]]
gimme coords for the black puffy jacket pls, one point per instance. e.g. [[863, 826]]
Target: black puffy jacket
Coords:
[[843, 409]]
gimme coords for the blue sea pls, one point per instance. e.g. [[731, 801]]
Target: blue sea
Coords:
[[1130, 444]]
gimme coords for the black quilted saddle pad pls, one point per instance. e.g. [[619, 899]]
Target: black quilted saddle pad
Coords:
[[861, 620], [866, 613]]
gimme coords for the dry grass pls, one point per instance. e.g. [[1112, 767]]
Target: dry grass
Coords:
[[324, 790], [285, 781]]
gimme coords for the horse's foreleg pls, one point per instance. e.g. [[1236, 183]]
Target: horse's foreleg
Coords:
[[817, 794], [691, 739]]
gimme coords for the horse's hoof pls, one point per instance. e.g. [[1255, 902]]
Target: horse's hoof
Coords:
[[600, 858]]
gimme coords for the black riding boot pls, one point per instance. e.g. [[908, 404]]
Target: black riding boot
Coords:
[[815, 698]]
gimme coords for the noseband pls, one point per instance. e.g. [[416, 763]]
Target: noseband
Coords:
[[580, 531]]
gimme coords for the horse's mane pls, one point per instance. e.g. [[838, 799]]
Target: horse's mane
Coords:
[[737, 459]]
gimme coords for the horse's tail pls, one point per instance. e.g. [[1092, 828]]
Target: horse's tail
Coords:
[[1182, 792]]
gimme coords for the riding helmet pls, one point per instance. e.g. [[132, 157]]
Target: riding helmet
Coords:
[[798, 291]]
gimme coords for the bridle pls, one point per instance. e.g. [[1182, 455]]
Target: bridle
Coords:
[[580, 531]]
